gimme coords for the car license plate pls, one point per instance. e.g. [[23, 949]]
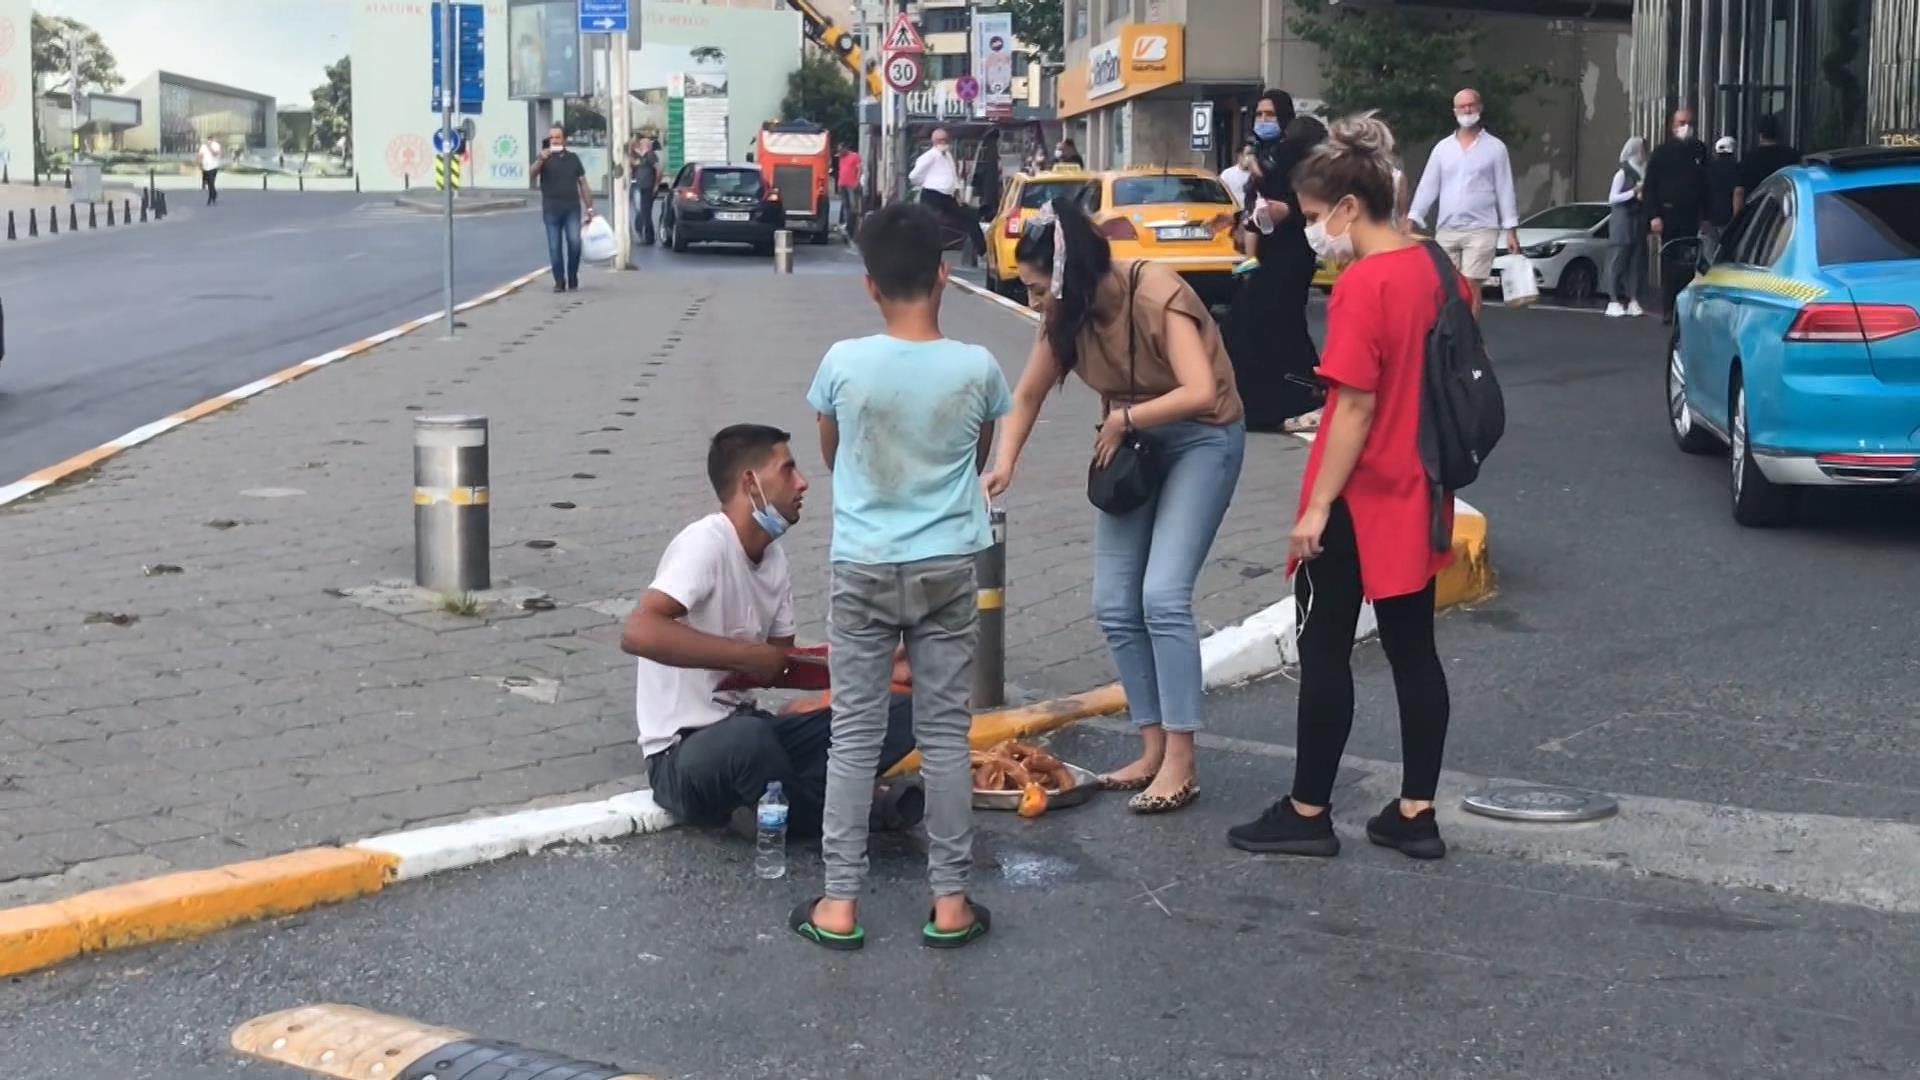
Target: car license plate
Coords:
[[733, 215], [1187, 232]]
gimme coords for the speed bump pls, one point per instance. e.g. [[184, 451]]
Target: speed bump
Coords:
[[352, 1043]]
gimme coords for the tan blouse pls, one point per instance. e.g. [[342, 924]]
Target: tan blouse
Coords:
[[1102, 344]]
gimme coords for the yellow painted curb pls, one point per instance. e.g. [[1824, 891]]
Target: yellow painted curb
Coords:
[[181, 905], [1470, 578]]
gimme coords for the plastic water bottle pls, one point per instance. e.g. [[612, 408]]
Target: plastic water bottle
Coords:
[[770, 851]]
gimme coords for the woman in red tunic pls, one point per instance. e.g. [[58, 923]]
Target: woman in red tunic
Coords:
[[1363, 525]]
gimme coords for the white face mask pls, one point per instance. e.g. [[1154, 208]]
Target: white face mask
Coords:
[[1468, 119], [1684, 131], [1337, 249]]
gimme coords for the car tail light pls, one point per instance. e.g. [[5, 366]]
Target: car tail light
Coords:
[[1118, 228], [1013, 225], [1869, 461], [690, 195], [1853, 323]]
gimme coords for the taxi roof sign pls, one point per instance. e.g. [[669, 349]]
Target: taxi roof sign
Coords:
[[904, 37]]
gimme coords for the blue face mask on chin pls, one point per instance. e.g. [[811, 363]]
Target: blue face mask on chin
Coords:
[[771, 521], [1267, 130]]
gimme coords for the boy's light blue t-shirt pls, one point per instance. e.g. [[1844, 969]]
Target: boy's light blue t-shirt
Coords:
[[905, 483]]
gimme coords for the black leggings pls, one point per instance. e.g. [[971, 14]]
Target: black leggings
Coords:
[[1331, 585]]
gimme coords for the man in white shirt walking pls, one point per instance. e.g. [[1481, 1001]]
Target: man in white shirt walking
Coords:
[[210, 169], [1466, 193], [938, 179]]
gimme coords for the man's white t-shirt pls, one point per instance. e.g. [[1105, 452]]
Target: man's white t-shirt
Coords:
[[210, 156], [725, 595]]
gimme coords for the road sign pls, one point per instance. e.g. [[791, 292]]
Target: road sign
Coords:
[[470, 34], [440, 142], [904, 37], [441, 163], [1202, 138], [903, 71], [966, 88], [604, 16]]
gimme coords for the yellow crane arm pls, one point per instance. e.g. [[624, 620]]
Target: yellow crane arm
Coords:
[[824, 32]]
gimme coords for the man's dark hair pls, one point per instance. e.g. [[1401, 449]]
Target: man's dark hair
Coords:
[[1768, 127], [901, 245], [740, 447]]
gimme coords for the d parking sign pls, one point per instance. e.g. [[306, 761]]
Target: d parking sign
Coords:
[[1202, 137]]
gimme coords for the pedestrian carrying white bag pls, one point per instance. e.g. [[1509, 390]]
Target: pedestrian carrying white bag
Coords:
[[596, 241], [1517, 285]]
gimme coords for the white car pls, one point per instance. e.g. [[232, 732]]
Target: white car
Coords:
[[1568, 248]]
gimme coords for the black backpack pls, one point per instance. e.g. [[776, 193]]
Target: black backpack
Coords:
[[1462, 412]]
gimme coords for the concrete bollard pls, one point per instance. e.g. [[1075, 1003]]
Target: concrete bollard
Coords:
[[450, 504], [990, 643], [783, 251]]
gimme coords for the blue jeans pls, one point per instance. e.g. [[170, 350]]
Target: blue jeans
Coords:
[[1144, 567], [563, 224]]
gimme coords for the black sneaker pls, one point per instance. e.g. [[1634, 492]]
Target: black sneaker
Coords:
[[1282, 831], [897, 806], [1416, 837]]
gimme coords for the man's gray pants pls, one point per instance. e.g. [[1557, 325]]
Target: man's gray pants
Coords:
[[871, 609]]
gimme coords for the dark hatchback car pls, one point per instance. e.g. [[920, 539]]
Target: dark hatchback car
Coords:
[[721, 204]]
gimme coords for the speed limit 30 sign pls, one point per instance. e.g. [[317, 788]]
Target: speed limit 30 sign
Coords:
[[903, 71]]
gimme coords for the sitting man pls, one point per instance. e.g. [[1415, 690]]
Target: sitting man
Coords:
[[719, 615]]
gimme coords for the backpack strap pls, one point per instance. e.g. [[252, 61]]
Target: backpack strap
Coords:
[[1444, 267]]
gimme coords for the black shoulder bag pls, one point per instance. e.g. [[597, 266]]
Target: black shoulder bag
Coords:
[[1133, 477]]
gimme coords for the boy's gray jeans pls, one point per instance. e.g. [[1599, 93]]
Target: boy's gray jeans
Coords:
[[871, 608]]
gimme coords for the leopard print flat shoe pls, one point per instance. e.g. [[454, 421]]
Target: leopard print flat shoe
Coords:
[[1165, 804]]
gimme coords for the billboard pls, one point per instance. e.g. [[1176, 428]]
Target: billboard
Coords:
[[993, 62], [545, 57]]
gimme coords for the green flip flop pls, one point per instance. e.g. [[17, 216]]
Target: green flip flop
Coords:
[[953, 939], [800, 921]]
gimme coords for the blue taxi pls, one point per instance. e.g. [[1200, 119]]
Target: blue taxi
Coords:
[[1797, 345]]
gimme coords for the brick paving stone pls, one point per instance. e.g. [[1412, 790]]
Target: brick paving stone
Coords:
[[252, 708]]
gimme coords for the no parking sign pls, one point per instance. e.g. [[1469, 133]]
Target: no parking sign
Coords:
[[1202, 137]]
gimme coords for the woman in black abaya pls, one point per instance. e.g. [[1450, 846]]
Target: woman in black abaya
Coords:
[[1273, 354]]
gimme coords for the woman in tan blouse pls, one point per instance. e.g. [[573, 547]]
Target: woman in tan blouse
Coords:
[[1181, 396]]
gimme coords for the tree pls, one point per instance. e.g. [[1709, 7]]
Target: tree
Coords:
[[333, 107], [53, 66], [1039, 24], [1408, 66], [818, 90]]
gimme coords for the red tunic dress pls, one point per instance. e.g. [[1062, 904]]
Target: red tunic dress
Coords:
[[1377, 323]]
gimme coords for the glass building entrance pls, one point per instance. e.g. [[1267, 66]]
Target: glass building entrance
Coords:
[[1836, 72]]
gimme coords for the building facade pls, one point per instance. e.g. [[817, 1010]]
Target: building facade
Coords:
[[948, 27], [178, 113], [1135, 68], [1836, 72], [103, 126]]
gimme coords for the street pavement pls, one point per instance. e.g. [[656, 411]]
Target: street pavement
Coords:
[[1122, 947], [154, 720], [109, 329]]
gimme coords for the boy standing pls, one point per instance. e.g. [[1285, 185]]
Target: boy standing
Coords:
[[906, 423]]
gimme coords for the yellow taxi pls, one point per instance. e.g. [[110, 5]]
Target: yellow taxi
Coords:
[[1178, 216], [1025, 196], [1326, 273]]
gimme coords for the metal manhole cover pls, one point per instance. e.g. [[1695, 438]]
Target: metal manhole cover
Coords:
[[1534, 802]]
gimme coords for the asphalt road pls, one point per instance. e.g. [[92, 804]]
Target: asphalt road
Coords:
[[1641, 641], [1122, 948], [111, 329]]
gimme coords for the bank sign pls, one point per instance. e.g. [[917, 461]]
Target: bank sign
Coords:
[[1145, 57]]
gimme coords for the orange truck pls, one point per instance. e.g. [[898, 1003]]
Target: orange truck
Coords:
[[796, 160]]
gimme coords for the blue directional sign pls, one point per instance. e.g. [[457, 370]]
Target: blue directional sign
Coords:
[[603, 16], [470, 32], [440, 142]]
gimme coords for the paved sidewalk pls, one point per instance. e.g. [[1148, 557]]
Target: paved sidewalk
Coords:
[[152, 720]]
